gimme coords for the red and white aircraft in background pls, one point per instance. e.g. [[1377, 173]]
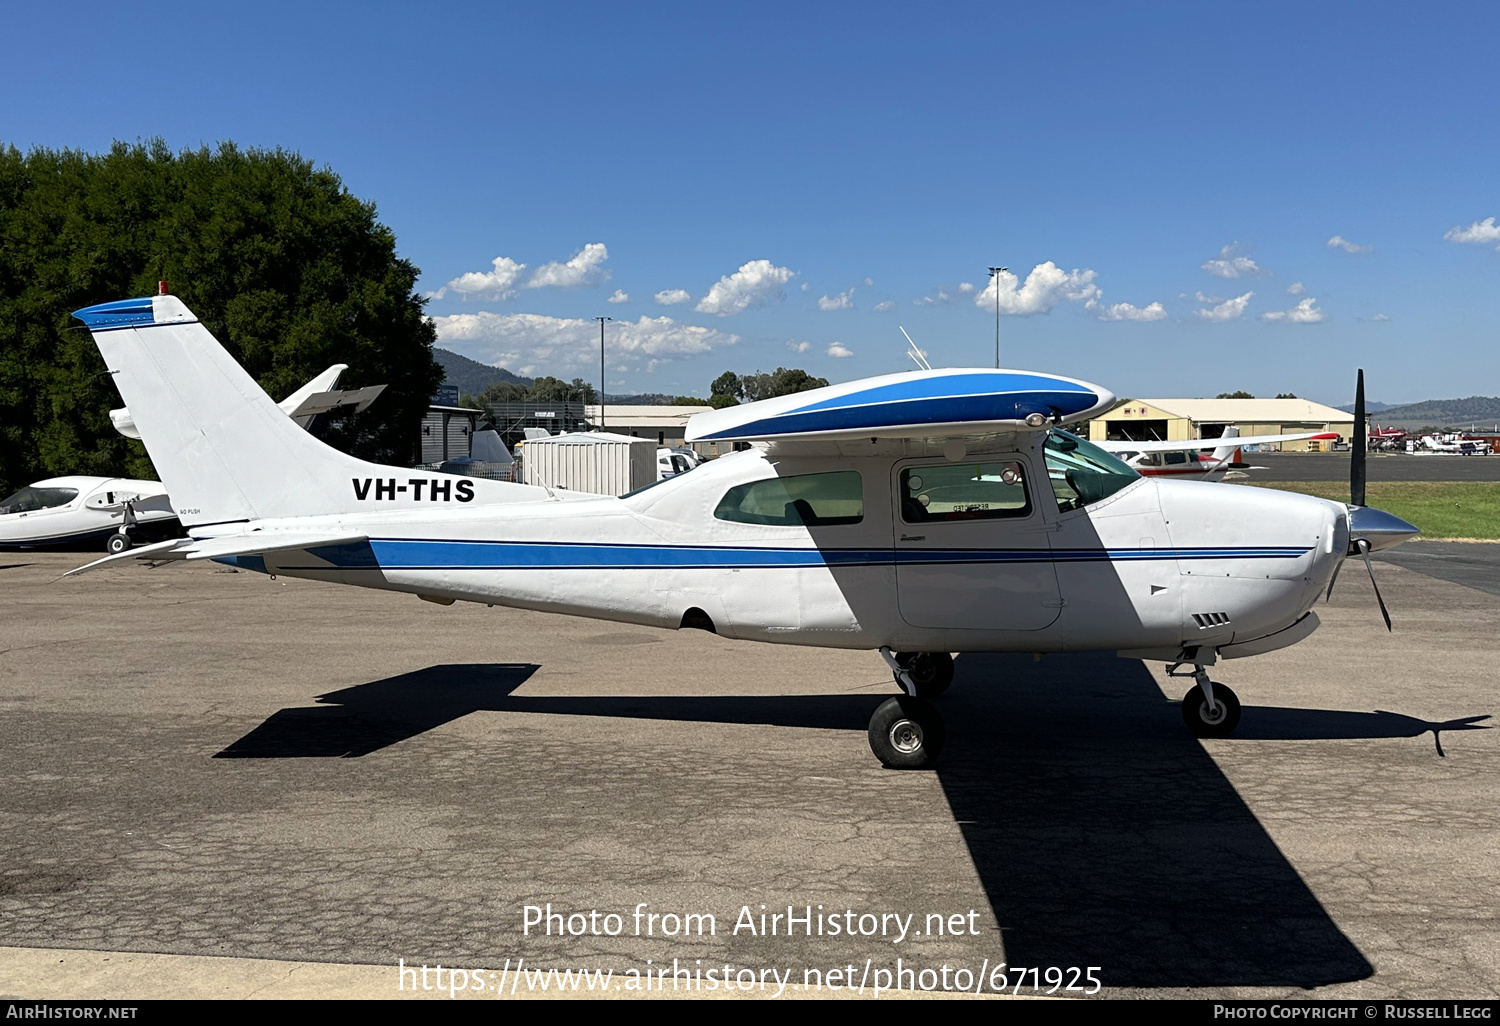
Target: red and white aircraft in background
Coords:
[[1188, 460]]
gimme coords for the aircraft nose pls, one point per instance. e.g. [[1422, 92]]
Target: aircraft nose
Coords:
[[1381, 529]]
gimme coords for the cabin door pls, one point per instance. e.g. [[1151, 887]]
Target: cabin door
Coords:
[[971, 545]]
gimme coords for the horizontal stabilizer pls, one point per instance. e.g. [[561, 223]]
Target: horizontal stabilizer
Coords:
[[255, 543], [325, 402]]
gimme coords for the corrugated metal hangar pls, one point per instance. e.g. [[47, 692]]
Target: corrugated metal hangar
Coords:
[[1174, 420]]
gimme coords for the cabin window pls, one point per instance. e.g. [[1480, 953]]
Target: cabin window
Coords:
[[1151, 459], [964, 491], [1082, 473], [1174, 459], [31, 498], [806, 500]]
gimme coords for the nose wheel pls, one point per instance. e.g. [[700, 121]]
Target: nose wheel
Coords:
[[1214, 714]]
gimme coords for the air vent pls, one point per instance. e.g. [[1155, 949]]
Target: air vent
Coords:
[[1207, 620]]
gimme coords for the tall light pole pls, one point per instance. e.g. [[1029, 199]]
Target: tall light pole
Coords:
[[601, 321], [995, 273]]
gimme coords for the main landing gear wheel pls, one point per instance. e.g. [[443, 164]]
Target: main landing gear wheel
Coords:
[[906, 733], [117, 543], [1217, 722], [931, 672]]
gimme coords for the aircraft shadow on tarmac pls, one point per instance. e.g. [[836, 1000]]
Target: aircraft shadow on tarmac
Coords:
[[1103, 833]]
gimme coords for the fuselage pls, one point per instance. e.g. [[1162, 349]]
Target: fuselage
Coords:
[[1013, 548], [76, 509]]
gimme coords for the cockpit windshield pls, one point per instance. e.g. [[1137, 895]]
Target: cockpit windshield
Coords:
[[31, 498], [1081, 472]]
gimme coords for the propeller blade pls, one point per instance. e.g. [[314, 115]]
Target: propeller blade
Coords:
[[1364, 550], [1332, 581], [1357, 450]]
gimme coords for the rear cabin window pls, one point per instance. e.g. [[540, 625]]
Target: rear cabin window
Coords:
[[806, 500], [964, 491]]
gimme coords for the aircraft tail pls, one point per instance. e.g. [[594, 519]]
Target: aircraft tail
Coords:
[[1225, 452], [225, 450]]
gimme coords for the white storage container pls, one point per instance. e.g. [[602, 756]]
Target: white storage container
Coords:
[[590, 461]]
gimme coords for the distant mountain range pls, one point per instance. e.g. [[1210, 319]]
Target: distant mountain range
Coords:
[[1369, 407], [1480, 411], [473, 377]]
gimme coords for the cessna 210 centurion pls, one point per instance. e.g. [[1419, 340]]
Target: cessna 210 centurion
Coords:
[[916, 514]]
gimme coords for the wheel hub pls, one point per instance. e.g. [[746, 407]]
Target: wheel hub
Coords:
[[906, 736]]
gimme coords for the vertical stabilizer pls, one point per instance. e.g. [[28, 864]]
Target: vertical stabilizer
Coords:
[[224, 449]]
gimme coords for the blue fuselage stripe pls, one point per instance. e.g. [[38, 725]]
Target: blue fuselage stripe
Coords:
[[436, 554]]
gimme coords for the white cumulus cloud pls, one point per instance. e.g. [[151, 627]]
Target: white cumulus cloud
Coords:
[[1045, 287], [1296, 288], [1228, 310], [498, 283], [1339, 242], [535, 343], [1381, 317], [1305, 312], [798, 347], [755, 284], [884, 305], [966, 286], [620, 296], [842, 301], [671, 297], [1481, 232], [839, 351], [585, 270], [1127, 312], [869, 281], [1230, 263]]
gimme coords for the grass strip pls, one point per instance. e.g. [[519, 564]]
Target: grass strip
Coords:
[[1442, 509]]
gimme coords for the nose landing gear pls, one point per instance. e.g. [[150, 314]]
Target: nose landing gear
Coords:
[[1210, 709]]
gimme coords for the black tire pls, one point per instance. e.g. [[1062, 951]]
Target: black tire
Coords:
[[118, 543], [1195, 712], [906, 733], [931, 672]]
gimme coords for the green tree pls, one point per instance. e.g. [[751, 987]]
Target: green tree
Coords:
[[1234, 395], [288, 270], [781, 381], [1286, 395]]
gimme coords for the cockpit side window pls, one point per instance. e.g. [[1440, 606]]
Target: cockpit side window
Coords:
[[1082, 473], [31, 498], [964, 491], [804, 500]]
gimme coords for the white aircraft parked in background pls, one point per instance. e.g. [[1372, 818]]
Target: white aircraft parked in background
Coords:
[[915, 514], [78, 509], [1187, 461]]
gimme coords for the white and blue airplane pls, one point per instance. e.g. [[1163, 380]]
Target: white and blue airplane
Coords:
[[916, 514]]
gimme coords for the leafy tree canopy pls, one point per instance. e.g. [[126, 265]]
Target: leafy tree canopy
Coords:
[[1234, 395], [730, 389], [542, 390], [287, 269]]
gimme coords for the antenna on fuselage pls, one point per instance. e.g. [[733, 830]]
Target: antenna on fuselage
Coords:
[[918, 357]]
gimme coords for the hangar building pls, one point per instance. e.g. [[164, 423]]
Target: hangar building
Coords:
[[1174, 420]]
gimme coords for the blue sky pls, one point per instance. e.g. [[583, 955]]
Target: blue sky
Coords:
[[810, 176]]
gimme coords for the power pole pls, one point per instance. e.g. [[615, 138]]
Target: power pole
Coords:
[[995, 273], [601, 321]]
